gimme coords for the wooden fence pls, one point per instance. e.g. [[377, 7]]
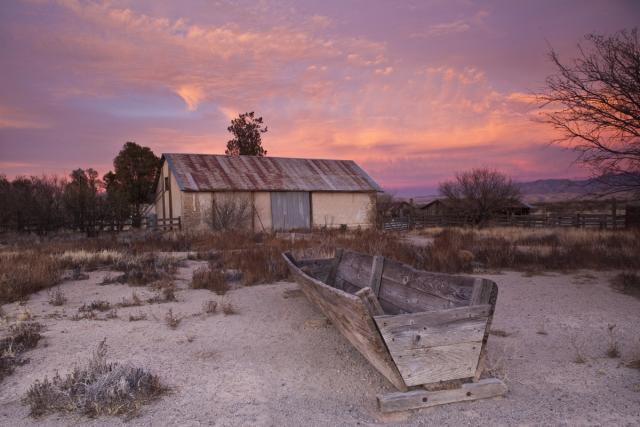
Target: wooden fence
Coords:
[[579, 220], [102, 226]]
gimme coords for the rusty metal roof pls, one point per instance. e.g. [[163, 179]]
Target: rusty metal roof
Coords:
[[208, 172]]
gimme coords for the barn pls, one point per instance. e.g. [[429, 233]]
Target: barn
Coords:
[[281, 193]]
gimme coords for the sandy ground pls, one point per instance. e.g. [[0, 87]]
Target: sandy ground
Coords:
[[278, 362]]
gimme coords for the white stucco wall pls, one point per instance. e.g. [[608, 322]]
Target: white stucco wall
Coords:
[[334, 209], [176, 196]]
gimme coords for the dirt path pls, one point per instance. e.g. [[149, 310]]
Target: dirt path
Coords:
[[277, 362]]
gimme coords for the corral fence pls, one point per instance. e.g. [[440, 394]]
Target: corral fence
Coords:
[[101, 226], [579, 220]]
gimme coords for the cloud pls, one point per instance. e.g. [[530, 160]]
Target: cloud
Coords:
[[443, 29], [173, 82]]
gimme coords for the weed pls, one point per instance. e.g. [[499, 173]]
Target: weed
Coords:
[[172, 320], [137, 317], [98, 305], [613, 351], [228, 308], [57, 297], [20, 338], [135, 301], [209, 307], [578, 349], [542, 329], [100, 388]]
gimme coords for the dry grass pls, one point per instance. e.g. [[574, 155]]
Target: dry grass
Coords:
[[24, 273], [538, 249], [627, 282], [20, 338], [210, 278], [100, 388], [135, 301], [613, 350], [88, 261]]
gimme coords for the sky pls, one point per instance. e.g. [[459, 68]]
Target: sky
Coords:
[[414, 91]]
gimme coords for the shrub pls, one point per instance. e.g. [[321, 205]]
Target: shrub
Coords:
[[627, 282], [20, 338], [100, 388], [209, 278], [145, 269], [56, 297]]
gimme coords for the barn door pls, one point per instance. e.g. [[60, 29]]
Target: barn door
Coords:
[[290, 210]]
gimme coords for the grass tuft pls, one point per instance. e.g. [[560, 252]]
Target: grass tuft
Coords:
[[100, 388], [20, 338]]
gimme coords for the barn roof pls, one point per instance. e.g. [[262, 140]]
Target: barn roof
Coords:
[[208, 172]]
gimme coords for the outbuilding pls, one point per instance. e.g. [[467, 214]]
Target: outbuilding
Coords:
[[279, 193]]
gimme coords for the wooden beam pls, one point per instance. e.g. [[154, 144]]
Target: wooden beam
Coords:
[[370, 301], [376, 274], [416, 399], [331, 279]]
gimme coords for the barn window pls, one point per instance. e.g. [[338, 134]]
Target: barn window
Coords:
[[166, 183]]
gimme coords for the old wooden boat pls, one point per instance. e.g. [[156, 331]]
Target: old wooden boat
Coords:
[[425, 332]]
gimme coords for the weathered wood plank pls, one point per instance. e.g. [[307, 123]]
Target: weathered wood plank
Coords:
[[456, 290], [481, 291], [351, 317], [370, 301], [331, 277], [416, 399], [355, 268], [376, 274], [431, 329], [432, 364]]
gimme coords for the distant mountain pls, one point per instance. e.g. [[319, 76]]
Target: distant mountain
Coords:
[[543, 190], [566, 189]]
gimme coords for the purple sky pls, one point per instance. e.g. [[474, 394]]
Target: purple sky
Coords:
[[412, 90]]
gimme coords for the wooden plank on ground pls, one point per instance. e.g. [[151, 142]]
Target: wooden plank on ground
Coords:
[[416, 399], [351, 317]]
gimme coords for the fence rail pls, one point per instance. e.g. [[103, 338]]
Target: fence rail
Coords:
[[102, 226], [594, 221]]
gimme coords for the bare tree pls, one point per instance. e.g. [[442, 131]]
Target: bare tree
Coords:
[[230, 214], [479, 194], [595, 102]]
